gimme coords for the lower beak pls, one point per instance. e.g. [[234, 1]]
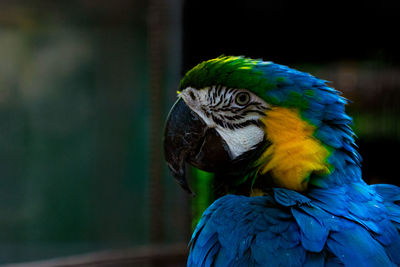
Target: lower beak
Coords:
[[188, 139]]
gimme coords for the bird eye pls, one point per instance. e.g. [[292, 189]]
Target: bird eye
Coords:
[[242, 98]]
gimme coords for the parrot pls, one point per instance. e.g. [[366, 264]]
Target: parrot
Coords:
[[282, 151]]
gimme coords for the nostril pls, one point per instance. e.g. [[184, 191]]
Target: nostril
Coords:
[[192, 96]]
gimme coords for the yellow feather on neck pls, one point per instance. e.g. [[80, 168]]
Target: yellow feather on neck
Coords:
[[294, 153]]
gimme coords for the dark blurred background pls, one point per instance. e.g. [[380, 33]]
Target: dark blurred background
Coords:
[[85, 86]]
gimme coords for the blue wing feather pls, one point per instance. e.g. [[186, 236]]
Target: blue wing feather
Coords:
[[327, 228]]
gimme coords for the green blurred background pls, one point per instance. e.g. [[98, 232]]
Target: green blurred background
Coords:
[[85, 87], [74, 129]]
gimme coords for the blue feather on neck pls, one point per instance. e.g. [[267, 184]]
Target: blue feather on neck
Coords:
[[323, 107]]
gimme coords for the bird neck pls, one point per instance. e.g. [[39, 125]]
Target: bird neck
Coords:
[[296, 158]]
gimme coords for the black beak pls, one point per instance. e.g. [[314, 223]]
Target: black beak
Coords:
[[188, 139]]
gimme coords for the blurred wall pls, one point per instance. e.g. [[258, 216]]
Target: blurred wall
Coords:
[[74, 127]]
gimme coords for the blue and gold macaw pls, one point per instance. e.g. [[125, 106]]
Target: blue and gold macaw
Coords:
[[282, 150]]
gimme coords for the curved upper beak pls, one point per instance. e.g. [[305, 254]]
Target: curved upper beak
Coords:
[[188, 139]]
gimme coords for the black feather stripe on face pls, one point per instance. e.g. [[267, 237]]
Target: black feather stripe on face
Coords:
[[231, 125], [223, 110]]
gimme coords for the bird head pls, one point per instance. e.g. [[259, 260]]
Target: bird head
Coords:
[[256, 122]]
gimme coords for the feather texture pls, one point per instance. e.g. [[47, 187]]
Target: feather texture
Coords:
[[338, 221], [289, 229]]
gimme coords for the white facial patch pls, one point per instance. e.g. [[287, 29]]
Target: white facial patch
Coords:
[[241, 140], [220, 109]]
